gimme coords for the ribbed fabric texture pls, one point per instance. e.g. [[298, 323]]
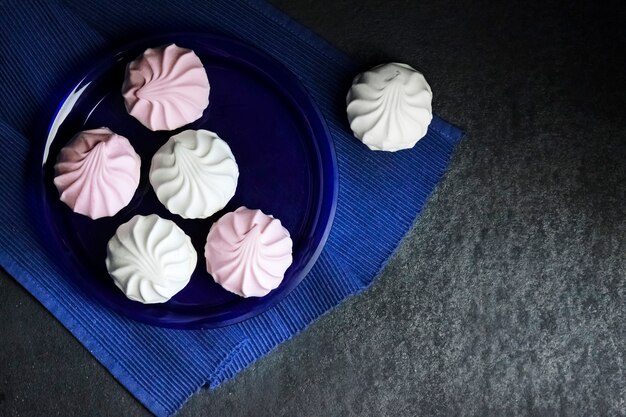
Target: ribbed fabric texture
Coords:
[[380, 194]]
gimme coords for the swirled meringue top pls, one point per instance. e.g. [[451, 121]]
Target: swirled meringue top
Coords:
[[166, 87], [389, 107], [194, 174], [247, 252], [150, 259], [97, 173]]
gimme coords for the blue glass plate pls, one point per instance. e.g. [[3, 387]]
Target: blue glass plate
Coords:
[[280, 141]]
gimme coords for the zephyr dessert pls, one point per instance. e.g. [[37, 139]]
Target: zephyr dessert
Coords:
[[166, 87], [150, 259], [194, 174], [248, 252], [97, 173], [390, 107]]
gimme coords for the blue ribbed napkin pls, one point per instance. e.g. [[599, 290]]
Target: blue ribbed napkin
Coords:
[[380, 194]]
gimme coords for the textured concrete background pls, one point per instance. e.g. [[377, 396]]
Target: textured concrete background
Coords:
[[506, 299]]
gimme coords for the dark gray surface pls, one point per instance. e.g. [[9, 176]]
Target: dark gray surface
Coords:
[[506, 299]]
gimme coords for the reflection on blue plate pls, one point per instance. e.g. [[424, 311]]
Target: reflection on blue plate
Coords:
[[280, 141]]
